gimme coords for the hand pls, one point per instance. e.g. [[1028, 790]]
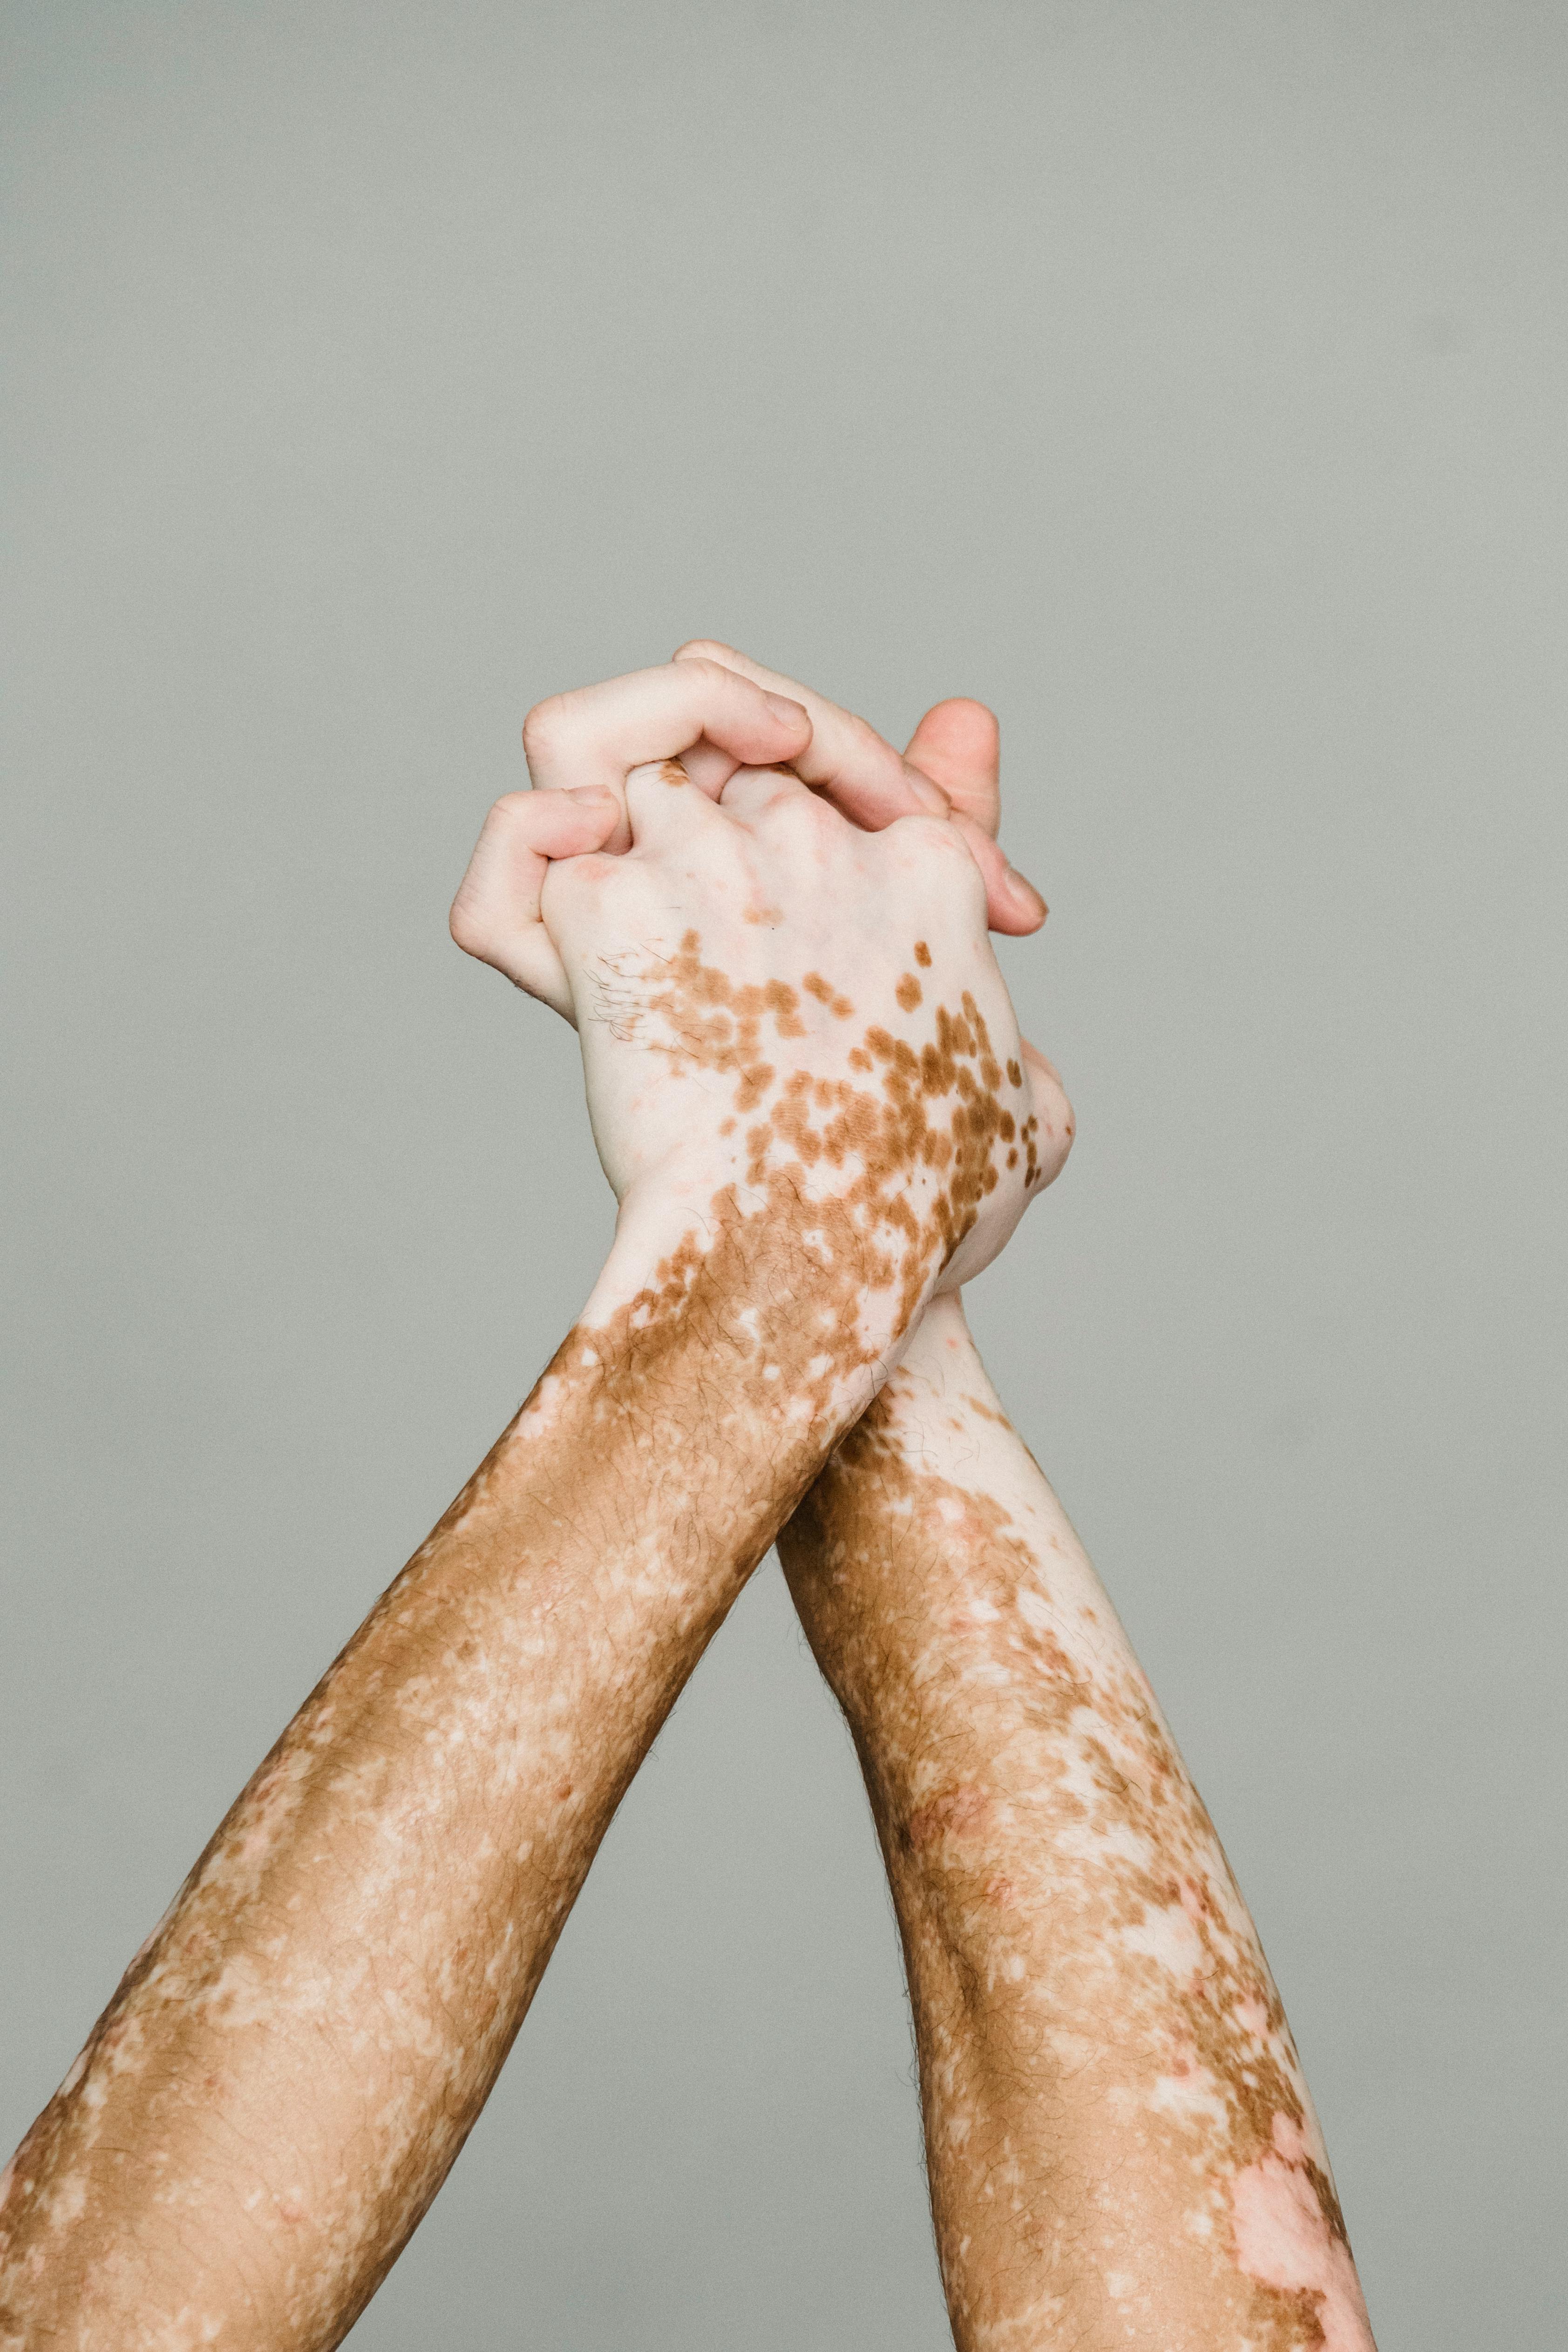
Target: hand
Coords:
[[779, 1009], [955, 750], [715, 710], [957, 747]]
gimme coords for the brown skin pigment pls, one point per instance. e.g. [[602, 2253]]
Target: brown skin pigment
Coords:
[[1120, 2148], [291, 2064]]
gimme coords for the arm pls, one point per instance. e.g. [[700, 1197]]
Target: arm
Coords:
[[801, 1137], [1121, 2145], [289, 2068]]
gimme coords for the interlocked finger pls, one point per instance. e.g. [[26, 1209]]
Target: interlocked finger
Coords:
[[861, 773], [496, 914], [598, 734]]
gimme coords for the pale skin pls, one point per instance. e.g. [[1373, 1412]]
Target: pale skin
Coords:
[[807, 1089], [1120, 2148]]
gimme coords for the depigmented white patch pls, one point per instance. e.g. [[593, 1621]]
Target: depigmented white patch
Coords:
[[1283, 2240]]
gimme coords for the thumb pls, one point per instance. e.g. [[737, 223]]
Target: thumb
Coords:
[[958, 745]]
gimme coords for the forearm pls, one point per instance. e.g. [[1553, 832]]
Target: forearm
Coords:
[[798, 1047], [1121, 2145], [292, 2064]]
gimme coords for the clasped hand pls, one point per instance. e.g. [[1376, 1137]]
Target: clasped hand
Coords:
[[770, 932]]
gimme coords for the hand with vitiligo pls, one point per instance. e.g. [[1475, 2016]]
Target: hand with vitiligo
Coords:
[[810, 1098]]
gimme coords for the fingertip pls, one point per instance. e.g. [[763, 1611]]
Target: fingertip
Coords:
[[595, 800], [1025, 899], [789, 714], [958, 745], [1014, 917], [968, 710], [962, 729], [573, 820]]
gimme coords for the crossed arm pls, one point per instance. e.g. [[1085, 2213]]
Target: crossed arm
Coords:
[[807, 1116]]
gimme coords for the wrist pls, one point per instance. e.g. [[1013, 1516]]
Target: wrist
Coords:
[[791, 1313], [942, 1332], [940, 1363]]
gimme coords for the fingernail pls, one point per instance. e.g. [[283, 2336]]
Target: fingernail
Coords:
[[1026, 895], [930, 796], [792, 714]]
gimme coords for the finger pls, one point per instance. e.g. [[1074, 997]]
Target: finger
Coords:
[[845, 756], [1013, 905], [958, 745], [665, 809], [496, 914], [709, 768], [598, 734], [865, 777], [751, 793]]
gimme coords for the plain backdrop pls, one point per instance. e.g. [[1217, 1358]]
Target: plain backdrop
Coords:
[[1190, 383]]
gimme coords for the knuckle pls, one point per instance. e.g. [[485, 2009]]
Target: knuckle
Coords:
[[798, 810], [715, 675], [466, 923], [545, 723], [931, 839]]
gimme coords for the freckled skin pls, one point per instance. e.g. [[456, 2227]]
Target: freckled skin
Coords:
[[1121, 2146], [292, 2060]]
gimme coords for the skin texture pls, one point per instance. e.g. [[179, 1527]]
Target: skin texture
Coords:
[[810, 1096], [1121, 2146], [1120, 2143], [805, 1136], [717, 710]]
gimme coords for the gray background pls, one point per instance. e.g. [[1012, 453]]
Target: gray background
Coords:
[[1186, 381]]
